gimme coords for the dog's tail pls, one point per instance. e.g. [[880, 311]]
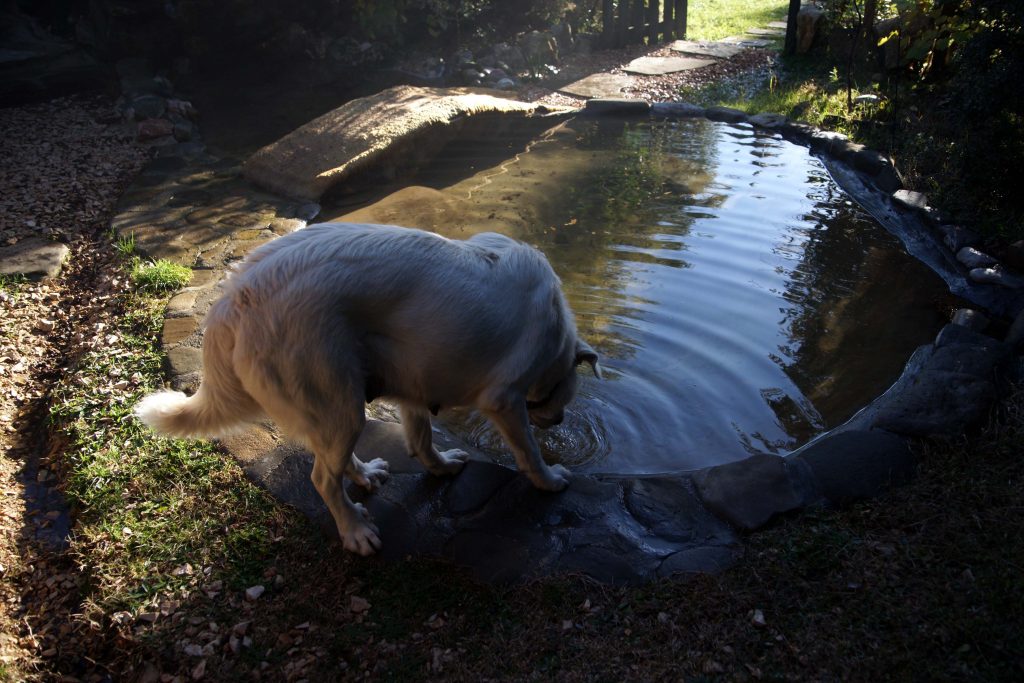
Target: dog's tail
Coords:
[[219, 406]]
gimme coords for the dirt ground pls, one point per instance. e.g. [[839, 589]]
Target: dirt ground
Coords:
[[849, 597], [63, 164]]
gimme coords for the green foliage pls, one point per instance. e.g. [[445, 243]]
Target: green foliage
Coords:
[[125, 246], [716, 19], [160, 275], [408, 21], [147, 506]]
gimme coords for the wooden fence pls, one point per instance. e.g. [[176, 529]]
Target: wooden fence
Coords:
[[630, 22]]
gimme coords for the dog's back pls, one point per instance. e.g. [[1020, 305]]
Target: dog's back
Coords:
[[378, 310]]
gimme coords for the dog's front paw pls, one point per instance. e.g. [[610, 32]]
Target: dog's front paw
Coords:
[[451, 461], [554, 479], [370, 475]]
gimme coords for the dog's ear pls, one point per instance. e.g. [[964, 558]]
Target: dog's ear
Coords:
[[585, 354]]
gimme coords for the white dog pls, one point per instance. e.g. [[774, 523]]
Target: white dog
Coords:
[[316, 323]]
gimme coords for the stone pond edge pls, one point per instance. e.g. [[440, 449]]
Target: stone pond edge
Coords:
[[963, 373]]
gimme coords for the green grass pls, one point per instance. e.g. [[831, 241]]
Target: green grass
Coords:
[[146, 506], [160, 275], [717, 19]]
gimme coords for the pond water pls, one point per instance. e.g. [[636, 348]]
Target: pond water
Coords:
[[739, 300]]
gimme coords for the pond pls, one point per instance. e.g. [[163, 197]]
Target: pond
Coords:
[[740, 301]]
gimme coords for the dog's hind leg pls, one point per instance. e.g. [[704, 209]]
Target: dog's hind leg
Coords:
[[416, 422], [332, 450], [514, 425]]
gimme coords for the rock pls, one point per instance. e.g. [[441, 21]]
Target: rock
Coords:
[[358, 605], [808, 21], [757, 619], [510, 55], [33, 258], [44, 326], [855, 465], [148, 107], [971, 319], [151, 129], [996, 276], [716, 50], [183, 131], [495, 75], [749, 492], [676, 109], [768, 120], [37, 65], [254, 592], [616, 105], [953, 335], [539, 48], [910, 199], [956, 237], [1013, 255], [972, 258], [598, 85], [505, 84], [185, 360], [726, 114], [945, 388], [405, 123], [659, 66], [1015, 336], [307, 211]]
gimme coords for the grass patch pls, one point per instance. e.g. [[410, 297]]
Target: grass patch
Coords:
[[717, 19], [151, 513], [160, 275]]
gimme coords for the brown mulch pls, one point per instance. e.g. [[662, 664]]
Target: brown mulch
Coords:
[[63, 164]]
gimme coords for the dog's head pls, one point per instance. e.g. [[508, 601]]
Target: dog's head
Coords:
[[547, 398]]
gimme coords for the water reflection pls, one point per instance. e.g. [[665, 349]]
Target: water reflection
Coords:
[[739, 301]]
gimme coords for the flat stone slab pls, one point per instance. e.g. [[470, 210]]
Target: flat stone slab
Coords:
[[778, 24], [598, 85], [854, 465], [750, 492], [490, 518], [400, 125], [34, 258], [659, 66], [716, 50], [946, 387], [767, 32], [746, 41]]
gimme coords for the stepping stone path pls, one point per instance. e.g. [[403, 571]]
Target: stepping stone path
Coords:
[[600, 85], [717, 50], [767, 32], [659, 66]]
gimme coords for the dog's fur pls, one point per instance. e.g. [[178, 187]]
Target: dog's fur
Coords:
[[316, 323]]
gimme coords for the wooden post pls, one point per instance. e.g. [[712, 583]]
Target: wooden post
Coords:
[[680, 19], [653, 10], [608, 23], [622, 25], [636, 22], [669, 23], [790, 45]]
